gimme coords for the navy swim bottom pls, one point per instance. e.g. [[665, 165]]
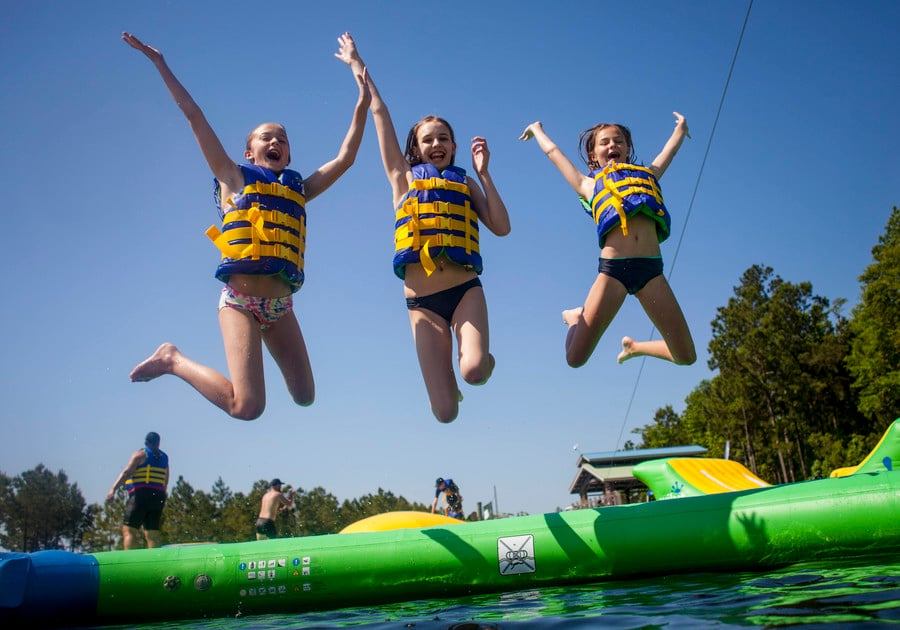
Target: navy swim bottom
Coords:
[[444, 302], [634, 273]]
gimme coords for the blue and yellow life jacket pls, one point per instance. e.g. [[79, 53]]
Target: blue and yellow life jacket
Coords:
[[622, 191], [263, 226], [436, 218], [153, 473]]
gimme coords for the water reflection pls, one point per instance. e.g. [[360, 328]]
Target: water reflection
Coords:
[[830, 595]]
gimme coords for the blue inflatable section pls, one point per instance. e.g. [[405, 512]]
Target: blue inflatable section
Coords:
[[29, 580]]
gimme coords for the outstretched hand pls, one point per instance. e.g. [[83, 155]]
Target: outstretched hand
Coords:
[[151, 53], [481, 155], [528, 134], [349, 55], [347, 51], [680, 122]]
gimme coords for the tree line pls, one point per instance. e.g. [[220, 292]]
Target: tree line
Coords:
[[799, 390], [40, 509]]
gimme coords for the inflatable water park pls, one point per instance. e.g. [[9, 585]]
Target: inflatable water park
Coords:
[[712, 516]]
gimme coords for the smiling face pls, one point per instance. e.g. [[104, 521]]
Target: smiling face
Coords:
[[268, 146], [605, 143], [610, 145], [431, 141]]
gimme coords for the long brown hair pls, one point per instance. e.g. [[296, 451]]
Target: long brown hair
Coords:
[[412, 144]]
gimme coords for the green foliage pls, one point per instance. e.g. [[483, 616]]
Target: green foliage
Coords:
[[666, 430], [106, 533], [874, 359], [193, 516], [778, 350], [799, 389], [316, 512], [42, 510]]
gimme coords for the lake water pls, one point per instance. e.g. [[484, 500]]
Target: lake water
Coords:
[[831, 595]]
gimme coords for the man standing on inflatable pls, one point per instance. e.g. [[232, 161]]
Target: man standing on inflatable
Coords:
[[145, 478], [452, 496]]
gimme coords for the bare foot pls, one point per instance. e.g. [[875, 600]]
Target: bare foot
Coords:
[[157, 364], [627, 350], [572, 315]]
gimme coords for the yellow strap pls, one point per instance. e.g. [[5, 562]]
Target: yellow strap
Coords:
[[275, 189], [417, 224], [413, 206], [615, 200], [267, 216], [268, 235], [255, 249], [219, 240], [616, 166], [438, 183], [618, 190], [426, 261], [408, 235], [433, 240]]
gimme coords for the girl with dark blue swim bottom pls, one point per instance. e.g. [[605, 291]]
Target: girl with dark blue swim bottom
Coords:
[[438, 209], [625, 202], [262, 240]]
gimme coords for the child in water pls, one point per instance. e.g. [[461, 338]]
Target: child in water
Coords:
[[437, 253], [627, 206], [263, 237]]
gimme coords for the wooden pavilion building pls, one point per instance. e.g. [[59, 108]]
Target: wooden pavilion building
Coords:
[[608, 476]]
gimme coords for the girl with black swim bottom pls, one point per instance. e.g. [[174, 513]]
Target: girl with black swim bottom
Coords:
[[437, 249], [626, 204]]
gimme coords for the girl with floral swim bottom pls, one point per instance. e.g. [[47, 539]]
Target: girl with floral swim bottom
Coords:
[[262, 240]]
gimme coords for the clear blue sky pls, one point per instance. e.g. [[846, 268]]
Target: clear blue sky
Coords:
[[107, 198]]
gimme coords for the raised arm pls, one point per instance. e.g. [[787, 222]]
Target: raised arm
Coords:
[[396, 167], [223, 167], [137, 459], [582, 184], [286, 501], [488, 204], [662, 161], [328, 173]]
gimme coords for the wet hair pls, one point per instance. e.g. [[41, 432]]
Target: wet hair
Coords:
[[412, 143], [586, 143]]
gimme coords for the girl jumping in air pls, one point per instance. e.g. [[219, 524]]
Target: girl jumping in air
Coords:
[[262, 240], [626, 204], [437, 246]]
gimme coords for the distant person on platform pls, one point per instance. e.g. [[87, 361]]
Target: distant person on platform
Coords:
[[145, 478], [273, 502], [454, 508]]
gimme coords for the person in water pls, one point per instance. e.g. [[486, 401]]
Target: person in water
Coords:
[[262, 239], [438, 209], [626, 204]]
